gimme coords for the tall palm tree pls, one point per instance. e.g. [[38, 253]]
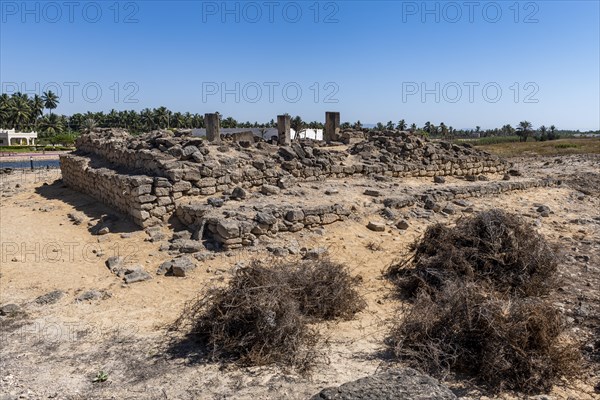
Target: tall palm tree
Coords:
[[427, 127], [401, 125], [147, 119], [443, 129], [5, 111], [162, 117], [50, 100], [19, 111], [413, 127], [37, 107], [524, 130]]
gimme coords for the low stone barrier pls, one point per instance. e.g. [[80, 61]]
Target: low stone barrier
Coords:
[[239, 230]]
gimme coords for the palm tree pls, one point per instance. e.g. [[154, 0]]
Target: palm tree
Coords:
[[5, 111], [543, 130], [427, 127], [51, 125], [19, 111], [413, 127], [357, 125], [443, 129], [147, 119], [389, 126], [552, 135], [50, 100], [524, 130], [37, 107], [88, 125], [401, 125], [298, 126]]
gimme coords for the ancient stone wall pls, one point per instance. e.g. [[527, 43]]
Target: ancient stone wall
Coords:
[[242, 230], [144, 176]]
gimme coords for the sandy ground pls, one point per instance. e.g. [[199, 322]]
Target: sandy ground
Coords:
[[55, 350]]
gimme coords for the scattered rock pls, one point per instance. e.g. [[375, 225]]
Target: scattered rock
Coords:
[[9, 309], [402, 224], [103, 230], [215, 201], [330, 192], [373, 192], [93, 294], [439, 179], [400, 384], [182, 235], [136, 274], [432, 205], [448, 209], [462, 203], [177, 267], [239, 193], [314, 254], [50, 298], [278, 251], [269, 190], [115, 263], [376, 226], [77, 218], [514, 172]]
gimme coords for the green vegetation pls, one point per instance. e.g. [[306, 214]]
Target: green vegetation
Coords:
[[548, 148], [100, 377]]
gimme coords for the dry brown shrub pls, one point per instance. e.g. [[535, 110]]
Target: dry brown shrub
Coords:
[[494, 247], [517, 343], [262, 316], [325, 290], [476, 307]]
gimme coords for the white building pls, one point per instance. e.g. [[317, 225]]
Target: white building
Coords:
[[316, 134], [9, 137], [265, 133]]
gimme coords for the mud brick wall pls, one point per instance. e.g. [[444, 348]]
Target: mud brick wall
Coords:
[[243, 230]]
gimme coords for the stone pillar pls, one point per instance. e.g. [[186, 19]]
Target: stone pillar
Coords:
[[213, 128], [283, 130], [332, 126]]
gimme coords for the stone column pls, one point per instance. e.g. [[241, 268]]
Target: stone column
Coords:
[[332, 126], [283, 130], [213, 129]]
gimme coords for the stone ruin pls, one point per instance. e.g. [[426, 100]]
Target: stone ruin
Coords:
[[161, 174]]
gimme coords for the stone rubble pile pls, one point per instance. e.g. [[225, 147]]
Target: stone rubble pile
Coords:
[[406, 154]]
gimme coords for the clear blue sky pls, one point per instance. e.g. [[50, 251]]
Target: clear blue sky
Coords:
[[374, 58]]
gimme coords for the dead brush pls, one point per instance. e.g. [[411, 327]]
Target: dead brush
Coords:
[[262, 316], [508, 343], [494, 247], [476, 308], [324, 290]]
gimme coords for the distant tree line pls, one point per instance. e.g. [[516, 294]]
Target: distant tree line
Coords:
[[24, 113]]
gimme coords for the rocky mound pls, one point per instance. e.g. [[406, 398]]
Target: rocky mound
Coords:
[[401, 384]]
